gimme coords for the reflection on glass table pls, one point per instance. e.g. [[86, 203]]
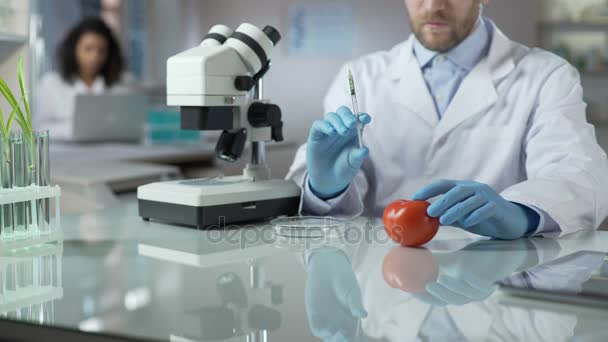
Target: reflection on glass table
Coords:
[[124, 277], [251, 312], [30, 283], [334, 305], [246, 310], [451, 295], [460, 277], [580, 278]]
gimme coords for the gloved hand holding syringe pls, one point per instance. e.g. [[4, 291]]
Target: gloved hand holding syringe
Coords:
[[353, 96], [333, 155]]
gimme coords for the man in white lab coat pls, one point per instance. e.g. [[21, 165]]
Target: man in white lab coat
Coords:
[[493, 129]]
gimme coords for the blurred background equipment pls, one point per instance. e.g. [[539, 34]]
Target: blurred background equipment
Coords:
[[578, 32], [163, 127], [109, 118]]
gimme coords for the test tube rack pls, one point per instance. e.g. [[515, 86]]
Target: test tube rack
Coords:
[[30, 282], [33, 236]]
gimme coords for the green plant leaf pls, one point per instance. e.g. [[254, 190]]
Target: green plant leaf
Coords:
[[20, 122], [11, 118], [2, 126], [7, 93], [10, 98], [26, 104], [28, 124]]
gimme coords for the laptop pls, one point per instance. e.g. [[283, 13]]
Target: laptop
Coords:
[[109, 118]]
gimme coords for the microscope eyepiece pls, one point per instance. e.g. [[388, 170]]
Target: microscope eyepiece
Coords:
[[217, 36], [254, 45], [273, 34]]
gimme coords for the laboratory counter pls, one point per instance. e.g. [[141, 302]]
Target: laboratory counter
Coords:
[[117, 278], [92, 176]]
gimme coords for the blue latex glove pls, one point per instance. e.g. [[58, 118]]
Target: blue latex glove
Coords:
[[332, 154], [477, 208], [333, 299]]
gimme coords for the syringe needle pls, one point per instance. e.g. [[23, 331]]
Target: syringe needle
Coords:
[[353, 95]]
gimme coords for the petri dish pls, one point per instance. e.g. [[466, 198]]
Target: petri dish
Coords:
[[307, 226]]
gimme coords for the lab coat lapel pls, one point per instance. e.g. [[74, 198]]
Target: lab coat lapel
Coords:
[[411, 90], [478, 92]]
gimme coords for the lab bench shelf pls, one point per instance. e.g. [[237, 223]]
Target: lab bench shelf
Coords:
[[594, 74], [567, 25], [12, 38]]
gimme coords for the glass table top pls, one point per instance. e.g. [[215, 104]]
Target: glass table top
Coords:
[[115, 274]]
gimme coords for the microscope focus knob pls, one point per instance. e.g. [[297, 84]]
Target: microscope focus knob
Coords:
[[244, 83], [264, 115]]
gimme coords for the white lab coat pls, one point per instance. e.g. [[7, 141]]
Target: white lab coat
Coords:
[[54, 101], [517, 123]]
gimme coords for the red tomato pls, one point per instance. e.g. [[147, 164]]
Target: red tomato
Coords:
[[409, 269], [408, 224]]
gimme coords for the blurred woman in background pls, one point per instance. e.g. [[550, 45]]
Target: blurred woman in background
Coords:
[[89, 61]]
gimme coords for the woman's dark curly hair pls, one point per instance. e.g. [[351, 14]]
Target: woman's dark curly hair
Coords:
[[66, 52]]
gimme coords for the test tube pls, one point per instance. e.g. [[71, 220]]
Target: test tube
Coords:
[[21, 275], [53, 272], [6, 210], [11, 278], [24, 314], [2, 285], [43, 168], [29, 275], [46, 312], [37, 314], [45, 279], [36, 271], [18, 176], [31, 178]]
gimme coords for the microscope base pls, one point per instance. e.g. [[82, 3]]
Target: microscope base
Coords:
[[216, 203]]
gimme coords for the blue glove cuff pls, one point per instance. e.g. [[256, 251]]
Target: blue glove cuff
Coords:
[[325, 197], [532, 217]]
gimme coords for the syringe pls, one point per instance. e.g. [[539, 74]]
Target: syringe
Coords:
[[353, 96]]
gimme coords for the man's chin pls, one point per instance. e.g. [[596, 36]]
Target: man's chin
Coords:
[[439, 44]]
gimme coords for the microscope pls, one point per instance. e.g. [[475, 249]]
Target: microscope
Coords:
[[218, 87]]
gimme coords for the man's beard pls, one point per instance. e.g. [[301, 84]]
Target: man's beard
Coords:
[[456, 35]]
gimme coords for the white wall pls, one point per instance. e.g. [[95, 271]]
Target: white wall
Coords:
[[518, 19], [299, 84], [163, 37]]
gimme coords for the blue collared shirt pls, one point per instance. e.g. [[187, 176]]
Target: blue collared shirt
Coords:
[[444, 72]]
